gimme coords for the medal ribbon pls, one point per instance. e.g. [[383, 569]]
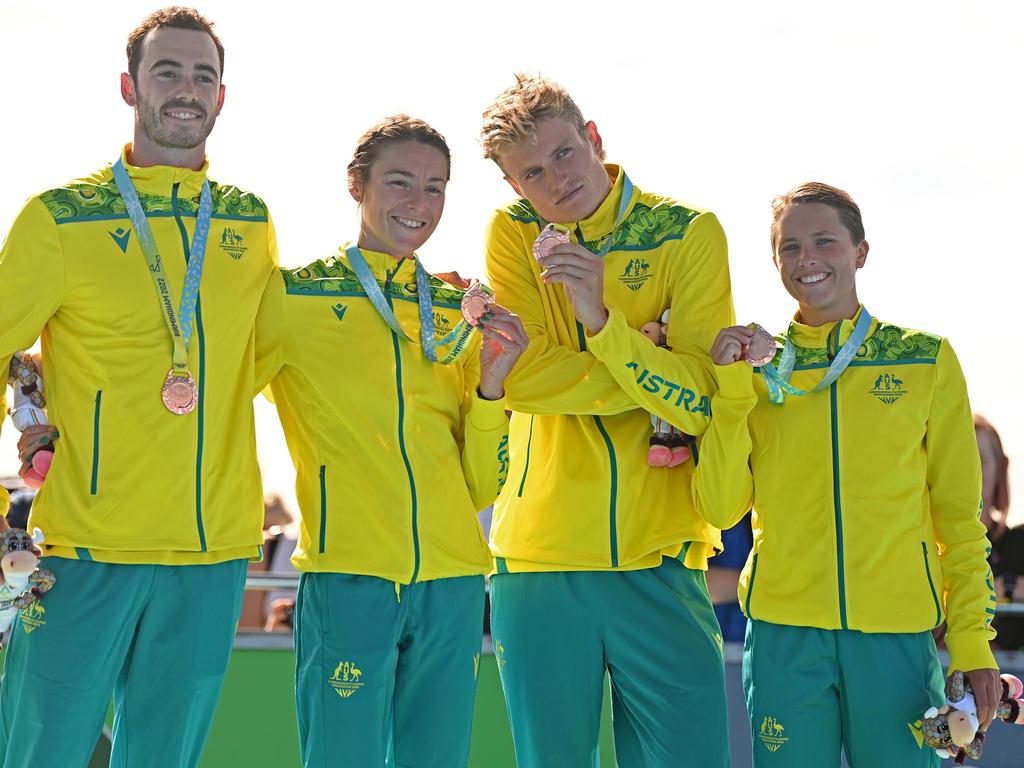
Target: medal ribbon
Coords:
[[180, 324], [460, 335], [778, 379], [627, 193]]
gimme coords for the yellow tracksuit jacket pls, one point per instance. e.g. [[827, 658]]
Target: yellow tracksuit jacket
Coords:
[[865, 494], [394, 454], [131, 482], [581, 495]]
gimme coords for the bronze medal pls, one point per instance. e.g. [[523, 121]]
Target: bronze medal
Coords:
[[548, 238], [180, 393], [761, 349], [476, 302]]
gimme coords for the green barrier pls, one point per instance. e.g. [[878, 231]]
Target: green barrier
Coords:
[[255, 722]]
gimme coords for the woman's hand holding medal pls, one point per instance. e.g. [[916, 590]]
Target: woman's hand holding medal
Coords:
[[750, 343], [504, 341]]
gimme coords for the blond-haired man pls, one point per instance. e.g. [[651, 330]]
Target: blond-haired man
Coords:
[[600, 557]]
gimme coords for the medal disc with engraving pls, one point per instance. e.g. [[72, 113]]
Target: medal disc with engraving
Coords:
[[761, 349], [476, 303], [180, 393], [548, 238]]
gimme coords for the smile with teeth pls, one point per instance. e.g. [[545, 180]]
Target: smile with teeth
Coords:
[[410, 223], [181, 115], [817, 277]]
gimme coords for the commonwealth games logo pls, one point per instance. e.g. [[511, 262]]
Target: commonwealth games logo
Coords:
[[888, 388], [347, 679], [771, 734], [33, 617]]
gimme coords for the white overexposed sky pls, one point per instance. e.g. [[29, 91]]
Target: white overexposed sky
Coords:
[[914, 107]]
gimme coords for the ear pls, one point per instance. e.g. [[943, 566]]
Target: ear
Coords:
[[594, 137], [220, 101], [127, 89], [514, 186], [862, 253], [356, 190]]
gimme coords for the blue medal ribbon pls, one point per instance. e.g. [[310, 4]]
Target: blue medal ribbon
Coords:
[[460, 335], [179, 324], [777, 379]]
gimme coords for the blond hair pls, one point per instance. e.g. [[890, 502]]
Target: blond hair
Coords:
[[513, 116]]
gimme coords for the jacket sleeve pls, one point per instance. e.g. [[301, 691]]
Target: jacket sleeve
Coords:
[[270, 332], [483, 438], [31, 282], [549, 378], [723, 486], [954, 489], [677, 384]]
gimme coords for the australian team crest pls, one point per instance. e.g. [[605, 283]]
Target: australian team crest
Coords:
[[888, 388], [636, 274], [232, 243]]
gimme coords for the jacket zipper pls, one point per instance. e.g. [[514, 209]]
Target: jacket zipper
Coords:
[[187, 250], [401, 432], [613, 535], [931, 585], [836, 498]]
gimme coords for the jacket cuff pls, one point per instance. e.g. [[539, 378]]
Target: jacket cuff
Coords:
[[970, 653], [735, 381], [486, 415]]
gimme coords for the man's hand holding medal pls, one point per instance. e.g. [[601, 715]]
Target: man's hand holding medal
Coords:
[[576, 268]]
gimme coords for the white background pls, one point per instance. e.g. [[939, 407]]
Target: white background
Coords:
[[913, 107]]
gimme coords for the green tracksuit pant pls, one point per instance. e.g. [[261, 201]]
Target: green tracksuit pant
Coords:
[[386, 677], [654, 632], [156, 636], [813, 691]]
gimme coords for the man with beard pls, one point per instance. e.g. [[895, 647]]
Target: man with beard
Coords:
[[153, 503]]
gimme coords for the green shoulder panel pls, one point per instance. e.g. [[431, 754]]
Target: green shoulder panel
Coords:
[[94, 199], [647, 227], [888, 344], [522, 210], [83, 200], [333, 277], [232, 202], [650, 223]]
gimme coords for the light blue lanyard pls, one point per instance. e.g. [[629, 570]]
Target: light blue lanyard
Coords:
[[778, 379], [460, 335], [180, 325]]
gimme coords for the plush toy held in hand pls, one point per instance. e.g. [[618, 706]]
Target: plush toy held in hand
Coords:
[[952, 729], [668, 445], [24, 582], [27, 411]]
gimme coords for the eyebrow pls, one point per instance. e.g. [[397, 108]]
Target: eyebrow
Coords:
[[172, 63], [408, 175]]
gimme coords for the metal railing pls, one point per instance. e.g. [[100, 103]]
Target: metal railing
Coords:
[[284, 581]]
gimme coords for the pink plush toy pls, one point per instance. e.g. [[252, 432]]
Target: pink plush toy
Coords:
[[27, 411], [668, 445]]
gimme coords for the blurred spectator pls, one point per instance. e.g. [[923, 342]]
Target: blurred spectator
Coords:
[[272, 611], [1007, 558], [724, 576], [21, 505]]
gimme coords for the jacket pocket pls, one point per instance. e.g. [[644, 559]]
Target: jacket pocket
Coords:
[[526, 467], [750, 586], [95, 475], [323, 508], [931, 584]]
